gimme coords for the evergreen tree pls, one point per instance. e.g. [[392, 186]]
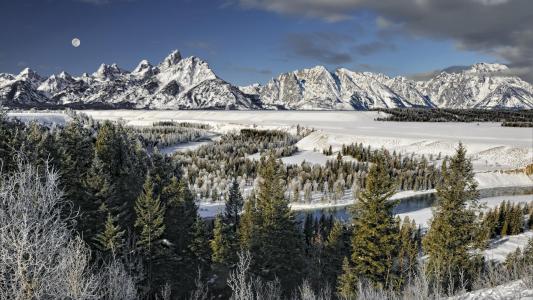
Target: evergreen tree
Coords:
[[150, 216], [116, 174], [220, 244], [150, 224], [112, 238], [408, 250], [9, 143], [76, 152], [530, 221], [336, 249], [181, 214], [187, 239], [450, 238], [347, 281], [250, 219], [276, 244], [225, 243], [162, 170], [309, 230], [234, 205], [199, 245], [375, 234]]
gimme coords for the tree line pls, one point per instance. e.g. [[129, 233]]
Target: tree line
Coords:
[[508, 117]]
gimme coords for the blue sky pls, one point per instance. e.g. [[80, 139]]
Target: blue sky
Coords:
[[243, 43]]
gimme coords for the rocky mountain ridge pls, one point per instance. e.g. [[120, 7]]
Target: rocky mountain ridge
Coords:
[[189, 83]]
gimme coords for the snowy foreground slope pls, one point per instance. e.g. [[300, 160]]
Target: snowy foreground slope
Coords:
[[190, 83], [516, 290]]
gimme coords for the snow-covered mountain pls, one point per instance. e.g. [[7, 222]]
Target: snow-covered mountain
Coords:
[[189, 83], [480, 86], [176, 83]]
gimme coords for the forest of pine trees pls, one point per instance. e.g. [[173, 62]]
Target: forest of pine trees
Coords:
[[121, 221], [508, 117]]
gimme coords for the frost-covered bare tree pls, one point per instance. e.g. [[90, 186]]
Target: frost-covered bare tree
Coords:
[[244, 286], [39, 258], [201, 292], [239, 281], [116, 282], [306, 292]]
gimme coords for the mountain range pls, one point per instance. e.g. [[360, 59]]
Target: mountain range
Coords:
[[189, 83]]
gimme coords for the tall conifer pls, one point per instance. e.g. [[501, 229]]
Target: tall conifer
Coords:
[[450, 239], [375, 235]]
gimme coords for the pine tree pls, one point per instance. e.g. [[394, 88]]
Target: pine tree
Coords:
[[9, 143], [249, 220], [225, 243], [199, 245], [276, 244], [516, 220], [220, 246], [450, 238], [180, 217], [234, 205], [186, 242], [375, 234], [150, 224], [150, 216], [531, 219], [76, 151], [308, 231], [335, 250], [408, 251], [116, 174], [347, 281], [112, 238]]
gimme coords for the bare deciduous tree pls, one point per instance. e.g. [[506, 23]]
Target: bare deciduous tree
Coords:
[[244, 286], [39, 258], [117, 283]]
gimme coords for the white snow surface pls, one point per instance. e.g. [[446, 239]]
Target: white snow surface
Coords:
[[46, 118], [500, 248], [515, 290]]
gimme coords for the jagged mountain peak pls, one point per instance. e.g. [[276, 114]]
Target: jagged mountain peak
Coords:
[[143, 69], [64, 75], [28, 73], [314, 69], [172, 59], [143, 65], [486, 68], [106, 71]]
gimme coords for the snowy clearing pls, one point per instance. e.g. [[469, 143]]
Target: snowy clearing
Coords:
[[491, 146], [500, 248], [512, 290], [46, 118]]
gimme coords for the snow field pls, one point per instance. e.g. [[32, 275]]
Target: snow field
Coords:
[[491, 146]]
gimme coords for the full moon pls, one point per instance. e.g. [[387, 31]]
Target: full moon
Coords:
[[76, 42]]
